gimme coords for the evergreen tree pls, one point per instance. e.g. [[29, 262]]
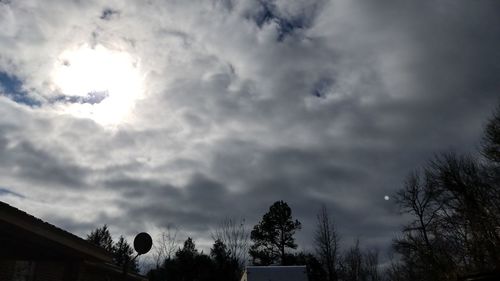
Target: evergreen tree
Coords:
[[273, 235], [219, 252], [102, 238], [121, 251], [188, 250], [123, 254], [225, 266], [188, 264]]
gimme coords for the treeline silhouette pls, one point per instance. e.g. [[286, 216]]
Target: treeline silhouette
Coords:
[[121, 251], [273, 243], [453, 203]]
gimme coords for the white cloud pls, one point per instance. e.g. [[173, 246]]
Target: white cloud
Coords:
[[229, 119]]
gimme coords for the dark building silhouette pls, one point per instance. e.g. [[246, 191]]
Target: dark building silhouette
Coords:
[[34, 250]]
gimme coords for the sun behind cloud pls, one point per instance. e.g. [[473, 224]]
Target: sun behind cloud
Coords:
[[97, 83]]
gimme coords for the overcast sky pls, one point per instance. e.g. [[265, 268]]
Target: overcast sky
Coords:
[[240, 103]]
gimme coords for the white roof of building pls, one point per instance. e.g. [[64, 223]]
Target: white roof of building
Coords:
[[275, 273]]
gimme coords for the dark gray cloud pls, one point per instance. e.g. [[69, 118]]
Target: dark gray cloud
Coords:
[[245, 103], [25, 161]]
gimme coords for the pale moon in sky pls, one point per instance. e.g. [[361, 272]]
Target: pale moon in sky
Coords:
[[386, 198], [97, 83]]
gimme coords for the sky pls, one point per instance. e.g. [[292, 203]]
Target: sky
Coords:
[[144, 115]]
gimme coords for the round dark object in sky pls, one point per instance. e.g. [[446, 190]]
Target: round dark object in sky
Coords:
[[143, 243]]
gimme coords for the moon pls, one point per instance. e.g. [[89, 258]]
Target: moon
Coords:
[[386, 198], [97, 83]]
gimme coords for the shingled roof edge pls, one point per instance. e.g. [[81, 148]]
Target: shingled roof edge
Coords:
[[36, 225]]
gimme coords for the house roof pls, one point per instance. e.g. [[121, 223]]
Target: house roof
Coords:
[[98, 268], [23, 234], [275, 273]]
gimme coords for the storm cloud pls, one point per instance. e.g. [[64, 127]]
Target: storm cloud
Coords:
[[245, 103]]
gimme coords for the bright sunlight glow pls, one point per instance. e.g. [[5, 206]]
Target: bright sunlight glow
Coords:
[[97, 83]]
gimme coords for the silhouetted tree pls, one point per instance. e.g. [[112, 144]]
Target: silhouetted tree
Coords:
[[123, 255], [102, 238], [419, 239], [315, 271], [235, 236], [456, 218], [371, 266], [183, 266], [454, 203], [491, 138], [188, 251], [359, 265], [273, 235], [226, 267], [397, 271], [121, 251], [187, 265], [219, 252], [190, 265], [165, 246], [326, 241], [352, 264]]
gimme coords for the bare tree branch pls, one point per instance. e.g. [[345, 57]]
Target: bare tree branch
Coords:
[[234, 234]]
